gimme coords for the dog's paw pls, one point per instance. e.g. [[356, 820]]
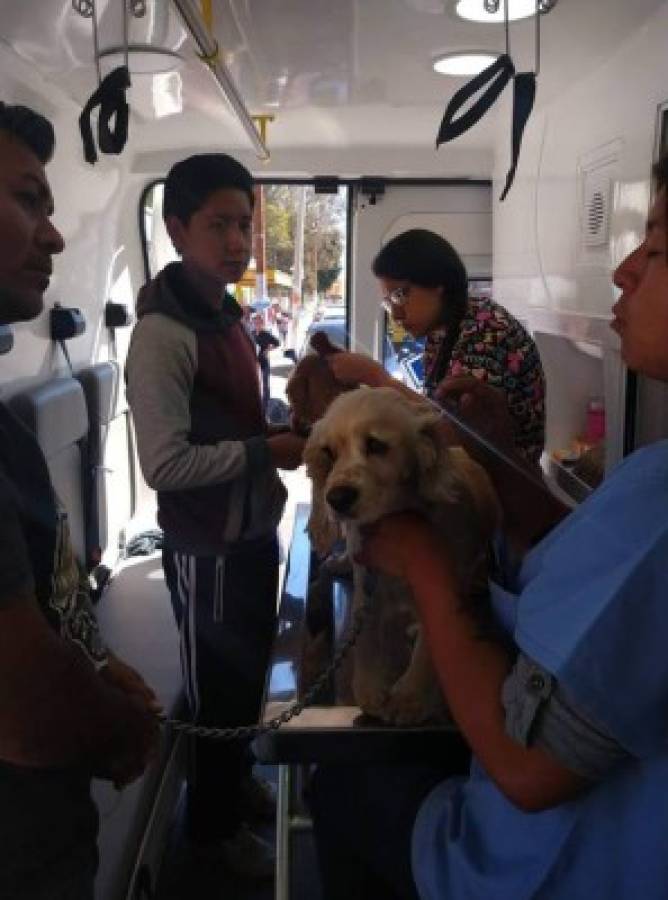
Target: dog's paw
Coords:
[[405, 704], [371, 699]]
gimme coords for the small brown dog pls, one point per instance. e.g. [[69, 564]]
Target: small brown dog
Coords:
[[311, 388], [373, 453]]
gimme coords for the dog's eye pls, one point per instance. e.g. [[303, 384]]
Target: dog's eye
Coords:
[[328, 453], [374, 447]]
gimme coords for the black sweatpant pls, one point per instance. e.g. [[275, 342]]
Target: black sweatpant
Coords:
[[225, 607]]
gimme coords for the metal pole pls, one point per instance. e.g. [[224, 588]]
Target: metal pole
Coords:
[[282, 885], [209, 50]]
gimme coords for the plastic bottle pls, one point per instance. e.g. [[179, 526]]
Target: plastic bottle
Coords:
[[595, 429]]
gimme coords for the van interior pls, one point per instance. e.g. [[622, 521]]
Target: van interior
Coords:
[[335, 108]]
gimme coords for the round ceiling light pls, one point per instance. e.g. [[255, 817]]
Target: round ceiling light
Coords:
[[463, 62], [474, 10]]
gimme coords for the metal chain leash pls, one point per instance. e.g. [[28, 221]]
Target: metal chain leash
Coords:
[[248, 732]]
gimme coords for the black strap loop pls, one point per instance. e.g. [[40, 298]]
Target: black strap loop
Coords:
[[110, 97], [496, 77], [523, 100]]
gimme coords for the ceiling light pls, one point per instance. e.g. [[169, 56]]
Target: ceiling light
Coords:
[[469, 62], [474, 10], [143, 59]]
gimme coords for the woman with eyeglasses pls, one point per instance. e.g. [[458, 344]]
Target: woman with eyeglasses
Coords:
[[425, 290]]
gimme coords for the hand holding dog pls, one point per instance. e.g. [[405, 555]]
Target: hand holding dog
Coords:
[[394, 543]]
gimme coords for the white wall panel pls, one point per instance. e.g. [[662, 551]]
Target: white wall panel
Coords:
[[540, 270]]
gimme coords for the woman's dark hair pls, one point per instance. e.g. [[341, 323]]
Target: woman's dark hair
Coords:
[[427, 260], [30, 128], [190, 182]]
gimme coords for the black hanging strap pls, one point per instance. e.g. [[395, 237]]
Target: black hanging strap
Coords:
[[496, 77], [66, 354], [523, 100], [110, 97]]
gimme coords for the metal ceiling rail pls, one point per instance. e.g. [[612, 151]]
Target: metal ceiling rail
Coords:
[[208, 47]]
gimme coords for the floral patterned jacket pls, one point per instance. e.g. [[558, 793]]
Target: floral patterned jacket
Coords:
[[493, 346]]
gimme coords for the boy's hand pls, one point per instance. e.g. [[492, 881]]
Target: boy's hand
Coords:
[[286, 450]]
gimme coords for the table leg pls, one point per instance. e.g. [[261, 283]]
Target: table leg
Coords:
[[282, 887]]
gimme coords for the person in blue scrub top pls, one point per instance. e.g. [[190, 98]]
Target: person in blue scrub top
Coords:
[[567, 797]]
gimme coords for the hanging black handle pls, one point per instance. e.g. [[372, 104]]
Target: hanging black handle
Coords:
[[496, 76], [523, 100], [110, 97]]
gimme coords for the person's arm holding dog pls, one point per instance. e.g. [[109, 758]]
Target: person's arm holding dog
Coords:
[[471, 671], [530, 509], [356, 368]]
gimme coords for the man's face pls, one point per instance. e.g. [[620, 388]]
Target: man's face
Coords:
[[641, 313], [219, 235], [28, 240]]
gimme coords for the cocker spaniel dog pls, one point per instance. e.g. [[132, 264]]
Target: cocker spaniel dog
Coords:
[[375, 452]]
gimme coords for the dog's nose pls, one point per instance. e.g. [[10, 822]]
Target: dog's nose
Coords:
[[342, 498]]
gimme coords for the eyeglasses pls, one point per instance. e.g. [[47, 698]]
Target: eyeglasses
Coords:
[[395, 298]]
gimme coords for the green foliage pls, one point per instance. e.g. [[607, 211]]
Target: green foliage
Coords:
[[324, 233]]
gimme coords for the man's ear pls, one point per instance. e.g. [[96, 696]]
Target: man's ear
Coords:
[[177, 232]]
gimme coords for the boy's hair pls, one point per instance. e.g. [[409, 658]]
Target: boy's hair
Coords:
[[427, 260], [33, 130], [190, 182]]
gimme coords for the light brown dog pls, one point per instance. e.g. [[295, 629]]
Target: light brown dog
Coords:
[[375, 452]]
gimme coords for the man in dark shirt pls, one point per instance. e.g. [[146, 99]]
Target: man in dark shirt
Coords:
[[69, 709], [265, 341]]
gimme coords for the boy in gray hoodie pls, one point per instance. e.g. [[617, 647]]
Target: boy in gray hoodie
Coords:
[[194, 390]]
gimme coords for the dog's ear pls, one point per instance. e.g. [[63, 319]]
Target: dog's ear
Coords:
[[322, 344], [297, 392], [436, 478], [323, 529]]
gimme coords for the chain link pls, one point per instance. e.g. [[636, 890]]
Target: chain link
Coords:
[[248, 732]]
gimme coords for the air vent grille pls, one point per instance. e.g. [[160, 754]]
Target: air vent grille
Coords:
[[596, 211]]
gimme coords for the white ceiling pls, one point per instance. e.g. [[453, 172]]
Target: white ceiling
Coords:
[[338, 74]]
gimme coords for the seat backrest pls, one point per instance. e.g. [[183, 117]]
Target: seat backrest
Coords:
[[100, 386], [56, 414]]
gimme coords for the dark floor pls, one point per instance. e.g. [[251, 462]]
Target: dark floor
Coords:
[[187, 877]]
